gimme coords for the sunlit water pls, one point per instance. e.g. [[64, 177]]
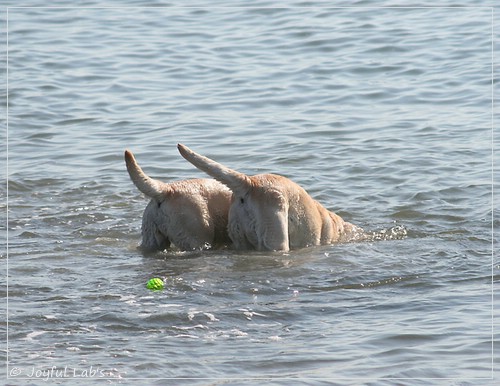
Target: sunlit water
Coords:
[[382, 114]]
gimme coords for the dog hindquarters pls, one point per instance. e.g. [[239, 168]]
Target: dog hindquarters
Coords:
[[273, 221], [275, 232], [153, 239], [241, 228], [261, 224]]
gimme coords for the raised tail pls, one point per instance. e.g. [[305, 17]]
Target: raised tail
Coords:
[[236, 181], [150, 187]]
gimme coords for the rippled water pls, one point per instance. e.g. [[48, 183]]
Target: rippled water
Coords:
[[382, 114]]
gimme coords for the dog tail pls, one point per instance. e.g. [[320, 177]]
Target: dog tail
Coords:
[[236, 181], [150, 187]]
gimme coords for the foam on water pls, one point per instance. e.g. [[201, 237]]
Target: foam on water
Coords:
[[396, 232]]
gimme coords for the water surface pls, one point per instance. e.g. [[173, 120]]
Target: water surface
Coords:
[[382, 114]]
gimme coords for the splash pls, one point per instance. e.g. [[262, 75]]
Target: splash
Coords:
[[397, 232]]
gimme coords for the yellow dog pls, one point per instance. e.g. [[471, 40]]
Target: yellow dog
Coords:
[[272, 213], [190, 214]]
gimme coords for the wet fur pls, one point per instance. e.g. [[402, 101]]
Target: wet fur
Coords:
[[190, 214], [272, 213]]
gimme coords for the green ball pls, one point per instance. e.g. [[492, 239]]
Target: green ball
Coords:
[[155, 284]]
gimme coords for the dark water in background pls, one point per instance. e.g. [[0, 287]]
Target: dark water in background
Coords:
[[382, 114]]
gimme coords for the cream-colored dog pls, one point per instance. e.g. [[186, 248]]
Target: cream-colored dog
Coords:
[[190, 214], [271, 212]]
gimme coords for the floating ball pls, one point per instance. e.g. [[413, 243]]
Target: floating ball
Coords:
[[155, 284]]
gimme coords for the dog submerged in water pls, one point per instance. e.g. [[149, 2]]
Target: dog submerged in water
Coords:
[[269, 212], [190, 214]]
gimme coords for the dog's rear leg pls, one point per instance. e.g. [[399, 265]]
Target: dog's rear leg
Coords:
[[153, 239]]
